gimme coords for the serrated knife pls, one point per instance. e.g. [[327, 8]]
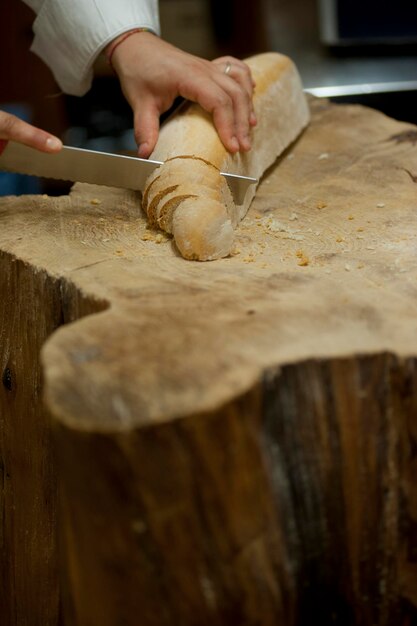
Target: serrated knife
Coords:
[[99, 168]]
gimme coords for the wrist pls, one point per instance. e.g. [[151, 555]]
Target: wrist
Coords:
[[118, 41]]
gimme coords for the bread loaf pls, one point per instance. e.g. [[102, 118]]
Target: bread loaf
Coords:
[[187, 196]]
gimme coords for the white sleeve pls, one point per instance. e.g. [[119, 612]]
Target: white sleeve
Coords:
[[70, 34]]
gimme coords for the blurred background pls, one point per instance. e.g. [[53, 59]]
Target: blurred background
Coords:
[[361, 51]]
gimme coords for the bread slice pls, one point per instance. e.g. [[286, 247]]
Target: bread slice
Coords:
[[187, 196]]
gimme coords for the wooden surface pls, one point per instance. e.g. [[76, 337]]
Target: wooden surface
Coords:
[[236, 440]]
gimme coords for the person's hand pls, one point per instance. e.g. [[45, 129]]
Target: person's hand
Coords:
[[14, 129], [153, 73]]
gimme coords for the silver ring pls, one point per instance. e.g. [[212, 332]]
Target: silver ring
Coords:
[[228, 67]]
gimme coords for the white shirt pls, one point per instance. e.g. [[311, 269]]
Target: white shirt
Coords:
[[70, 34]]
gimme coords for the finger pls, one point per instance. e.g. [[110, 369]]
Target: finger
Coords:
[[241, 73], [217, 102], [15, 129], [243, 77], [3, 144], [229, 105], [146, 120], [223, 120], [242, 108]]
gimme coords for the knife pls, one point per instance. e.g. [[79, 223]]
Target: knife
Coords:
[[100, 168]]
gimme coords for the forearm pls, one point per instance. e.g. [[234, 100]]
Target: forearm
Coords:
[[70, 34]]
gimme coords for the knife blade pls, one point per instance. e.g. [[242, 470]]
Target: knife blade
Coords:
[[100, 168]]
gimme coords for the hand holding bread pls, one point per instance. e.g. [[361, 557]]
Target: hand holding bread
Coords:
[[153, 73]]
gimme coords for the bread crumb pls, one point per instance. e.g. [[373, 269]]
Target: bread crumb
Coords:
[[248, 259], [95, 201], [360, 266], [291, 236], [347, 267], [235, 252], [359, 230], [380, 205], [45, 196], [340, 239], [321, 205], [293, 217], [323, 155], [159, 238], [148, 237], [303, 260], [119, 251], [351, 217]]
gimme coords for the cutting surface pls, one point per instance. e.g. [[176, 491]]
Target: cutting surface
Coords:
[[324, 265]]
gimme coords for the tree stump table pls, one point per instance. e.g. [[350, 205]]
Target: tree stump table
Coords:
[[235, 442]]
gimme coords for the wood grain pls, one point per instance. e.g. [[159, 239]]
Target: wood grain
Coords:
[[236, 441]]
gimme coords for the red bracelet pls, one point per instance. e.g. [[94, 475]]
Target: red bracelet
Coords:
[[112, 47]]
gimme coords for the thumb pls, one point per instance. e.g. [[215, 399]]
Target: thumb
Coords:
[[146, 120]]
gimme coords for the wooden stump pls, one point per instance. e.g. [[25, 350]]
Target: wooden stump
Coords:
[[236, 441]]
